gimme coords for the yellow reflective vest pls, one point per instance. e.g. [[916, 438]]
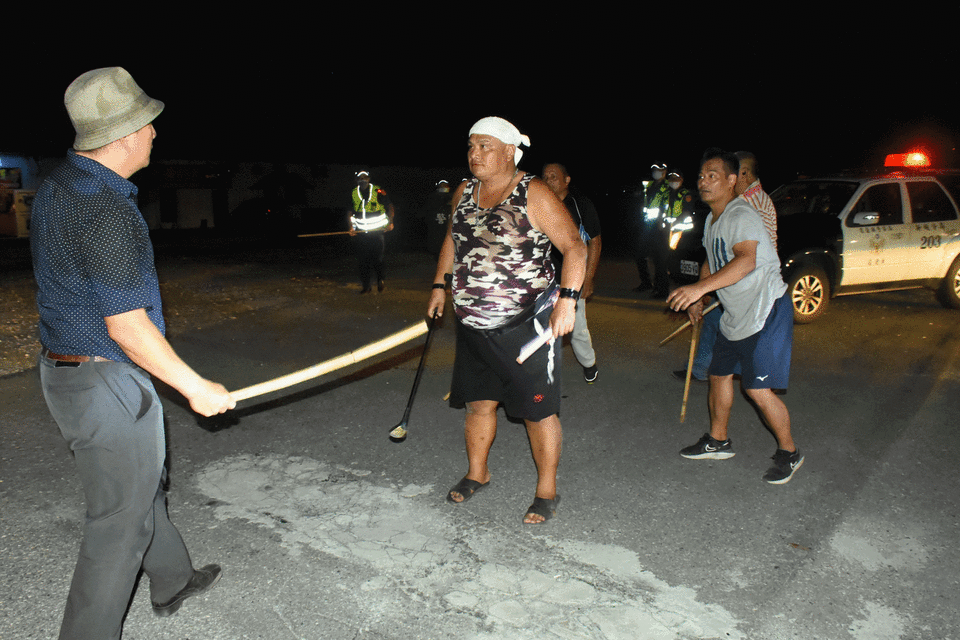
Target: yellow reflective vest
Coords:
[[369, 214]]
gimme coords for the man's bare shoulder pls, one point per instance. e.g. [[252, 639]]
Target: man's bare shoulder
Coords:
[[539, 191]]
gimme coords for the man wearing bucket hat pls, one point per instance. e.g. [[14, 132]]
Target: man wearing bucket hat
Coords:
[[102, 333], [497, 252]]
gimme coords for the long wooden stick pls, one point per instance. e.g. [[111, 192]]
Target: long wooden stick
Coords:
[[317, 235], [687, 324], [327, 366], [694, 338]]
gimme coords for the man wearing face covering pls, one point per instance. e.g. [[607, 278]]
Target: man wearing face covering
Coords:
[[657, 197], [497, 255]]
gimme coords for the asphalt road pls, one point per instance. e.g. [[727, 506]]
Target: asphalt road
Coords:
[[326, 529]]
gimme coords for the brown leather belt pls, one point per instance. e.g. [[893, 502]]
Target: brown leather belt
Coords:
[[59, 357]]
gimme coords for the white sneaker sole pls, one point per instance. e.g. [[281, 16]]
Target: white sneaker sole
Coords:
[[787, 479], [709, 455]]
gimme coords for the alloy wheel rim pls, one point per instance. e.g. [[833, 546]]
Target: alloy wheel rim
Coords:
[[808, 294]]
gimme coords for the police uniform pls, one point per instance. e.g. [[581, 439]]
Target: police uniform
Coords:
[[370, 220]]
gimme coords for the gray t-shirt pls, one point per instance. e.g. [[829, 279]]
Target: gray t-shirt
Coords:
[[747, 303]]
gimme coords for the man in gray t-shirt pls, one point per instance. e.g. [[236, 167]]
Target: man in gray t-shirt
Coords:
[[746, 303], [756, 330]]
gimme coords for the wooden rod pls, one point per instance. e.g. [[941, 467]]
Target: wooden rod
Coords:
[[333, 364]]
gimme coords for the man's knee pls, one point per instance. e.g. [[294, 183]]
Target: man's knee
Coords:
[[759, 395], [721, 382], [765, 399], [552, 421], [482, 407]]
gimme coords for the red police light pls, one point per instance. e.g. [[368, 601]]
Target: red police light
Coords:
[[912, 159]]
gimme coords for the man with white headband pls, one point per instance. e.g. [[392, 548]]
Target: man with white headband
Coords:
[[503, 131], [497, 256]]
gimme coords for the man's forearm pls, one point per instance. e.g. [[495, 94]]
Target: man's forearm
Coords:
[[731, 273], [593, 258], [573, 274], [445, 259], [444, 269], [143, 343]]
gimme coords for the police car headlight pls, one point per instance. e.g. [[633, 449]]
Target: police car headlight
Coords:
[[674, 239]]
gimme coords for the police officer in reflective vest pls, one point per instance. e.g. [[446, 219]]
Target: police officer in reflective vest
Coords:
[[679, 200], [372, 216], [657, 196]]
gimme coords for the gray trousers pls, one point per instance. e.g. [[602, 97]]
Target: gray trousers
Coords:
[[580, 337], [111, 416]]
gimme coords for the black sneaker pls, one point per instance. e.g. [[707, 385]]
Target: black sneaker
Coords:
[[709, 449], [590, 374], [785, 464], [681, 375]]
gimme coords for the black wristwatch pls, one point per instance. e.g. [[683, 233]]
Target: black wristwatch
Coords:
[[569, 293]]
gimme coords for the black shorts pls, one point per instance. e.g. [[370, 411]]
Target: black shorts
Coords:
[[486, 368]]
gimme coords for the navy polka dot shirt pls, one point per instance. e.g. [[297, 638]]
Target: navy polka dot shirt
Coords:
[[92, 258]]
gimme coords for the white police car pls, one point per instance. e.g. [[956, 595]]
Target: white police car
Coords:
[[898, 228]]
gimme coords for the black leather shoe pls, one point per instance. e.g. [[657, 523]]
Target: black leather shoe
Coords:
[[203, 580], [380, 286]]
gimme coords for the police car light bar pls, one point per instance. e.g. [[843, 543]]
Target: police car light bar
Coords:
[[912, 159]]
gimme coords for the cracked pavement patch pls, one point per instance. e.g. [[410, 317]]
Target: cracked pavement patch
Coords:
[[510, 586]]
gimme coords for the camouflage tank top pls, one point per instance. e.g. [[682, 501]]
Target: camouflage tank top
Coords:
[[501, 263]]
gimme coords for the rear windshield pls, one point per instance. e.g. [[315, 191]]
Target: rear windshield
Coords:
[[813, 196], [952, 183]]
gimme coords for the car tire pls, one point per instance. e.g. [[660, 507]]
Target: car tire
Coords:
[[949, 292], [809, 292]]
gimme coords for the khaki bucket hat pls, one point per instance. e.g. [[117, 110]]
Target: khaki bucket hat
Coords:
[[107, 104]]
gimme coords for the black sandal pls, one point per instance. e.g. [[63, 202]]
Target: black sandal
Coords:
[[466, 488], [542, 507]]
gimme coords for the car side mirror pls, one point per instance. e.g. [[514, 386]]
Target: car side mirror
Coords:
[[866, 218]]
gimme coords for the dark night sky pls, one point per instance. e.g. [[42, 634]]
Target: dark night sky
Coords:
[[607, 115]]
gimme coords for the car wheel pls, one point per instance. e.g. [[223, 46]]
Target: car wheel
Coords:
[[809, 291], [949, 293]]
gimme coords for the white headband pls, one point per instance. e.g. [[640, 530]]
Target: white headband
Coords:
[[502, 131]]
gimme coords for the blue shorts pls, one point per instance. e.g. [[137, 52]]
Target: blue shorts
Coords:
[[764, 356]]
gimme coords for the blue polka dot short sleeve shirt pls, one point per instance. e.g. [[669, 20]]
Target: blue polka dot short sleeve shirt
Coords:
[[92, 258]]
